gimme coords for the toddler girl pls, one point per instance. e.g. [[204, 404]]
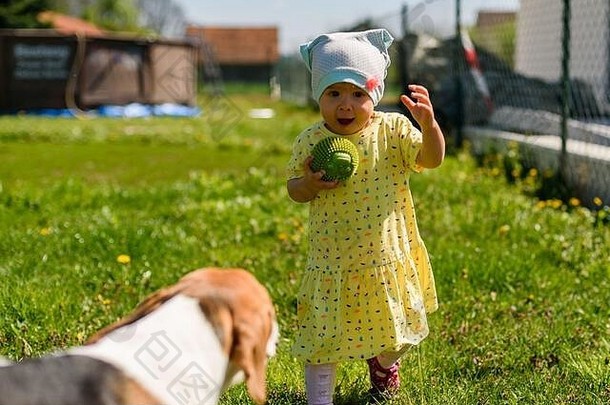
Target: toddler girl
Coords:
[[368, 283]]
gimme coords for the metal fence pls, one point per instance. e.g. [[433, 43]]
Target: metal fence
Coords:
[[548, 77], [537, 77]]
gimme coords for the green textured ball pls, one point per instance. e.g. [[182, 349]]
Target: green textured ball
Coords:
[[337, 156]]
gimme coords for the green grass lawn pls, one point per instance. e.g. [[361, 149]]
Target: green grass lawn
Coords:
[[523, 286]]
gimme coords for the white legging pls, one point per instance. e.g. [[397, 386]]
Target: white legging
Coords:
[[320, 383], [320, 378]]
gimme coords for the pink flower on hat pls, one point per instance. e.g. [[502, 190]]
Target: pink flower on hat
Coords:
[[371, 83]]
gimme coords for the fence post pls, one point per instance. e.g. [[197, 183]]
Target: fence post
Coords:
[[404, 64], [459, 133], [565, 88]]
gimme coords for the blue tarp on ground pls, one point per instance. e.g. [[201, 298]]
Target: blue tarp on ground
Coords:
[[134, 110]]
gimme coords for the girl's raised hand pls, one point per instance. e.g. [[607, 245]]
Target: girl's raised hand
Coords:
[[432, 152], [421, 108]]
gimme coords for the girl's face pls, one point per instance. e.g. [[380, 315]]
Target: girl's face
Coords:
[[345, 108]]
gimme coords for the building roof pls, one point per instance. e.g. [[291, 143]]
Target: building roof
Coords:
[[240, 45], [66, 24]]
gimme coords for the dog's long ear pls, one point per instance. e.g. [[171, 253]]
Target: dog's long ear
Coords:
[[220, 317], [250, 353], [151, 303]]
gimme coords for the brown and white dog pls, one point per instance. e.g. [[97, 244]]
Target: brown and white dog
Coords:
[[183, 345]]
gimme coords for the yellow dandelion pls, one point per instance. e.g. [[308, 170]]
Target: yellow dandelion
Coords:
[[533, 172], [555, 203], [504, 229], [541, 204], [102, 300], [283, 236], [45, 231], [574, 202], [123, 259], [597, 201]]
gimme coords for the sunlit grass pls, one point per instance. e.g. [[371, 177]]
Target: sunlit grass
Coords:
[[96, 214]]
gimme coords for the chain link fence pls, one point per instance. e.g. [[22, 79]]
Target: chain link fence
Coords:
[[534, 81], [548, 77]]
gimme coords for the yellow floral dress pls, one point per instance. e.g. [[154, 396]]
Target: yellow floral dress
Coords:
[[368, 283]]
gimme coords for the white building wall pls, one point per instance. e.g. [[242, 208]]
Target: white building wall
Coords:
[[539, 46]]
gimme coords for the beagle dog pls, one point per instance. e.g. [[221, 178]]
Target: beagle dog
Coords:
[[183, 345]]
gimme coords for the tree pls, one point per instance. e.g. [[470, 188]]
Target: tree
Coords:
[[113, 15], [162, 16], [22, 13], [499, 39]]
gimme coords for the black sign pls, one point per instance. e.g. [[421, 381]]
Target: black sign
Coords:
[[41, 62]]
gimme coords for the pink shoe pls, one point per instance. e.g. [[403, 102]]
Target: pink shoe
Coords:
[[385, 381]]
